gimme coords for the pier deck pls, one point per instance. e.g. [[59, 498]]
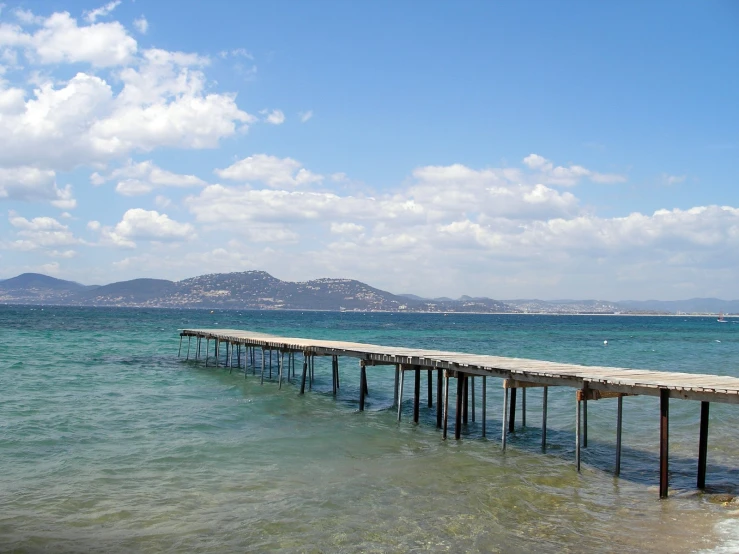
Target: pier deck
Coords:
[[590, 382]]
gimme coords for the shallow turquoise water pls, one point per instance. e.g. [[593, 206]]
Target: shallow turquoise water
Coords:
[[109, 442]]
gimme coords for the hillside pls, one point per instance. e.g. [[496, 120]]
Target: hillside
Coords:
[[259, 290], [245, 290], [38, 288]]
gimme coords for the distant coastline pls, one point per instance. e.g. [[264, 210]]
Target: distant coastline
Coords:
[[403, 312], [258, 290]]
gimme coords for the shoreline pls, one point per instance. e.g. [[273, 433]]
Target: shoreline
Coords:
[[248, 309]]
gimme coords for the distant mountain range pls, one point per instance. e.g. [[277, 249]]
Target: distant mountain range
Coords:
[[246, 290], [260, 290]]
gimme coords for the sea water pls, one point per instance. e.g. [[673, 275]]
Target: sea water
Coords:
[[111, 443]]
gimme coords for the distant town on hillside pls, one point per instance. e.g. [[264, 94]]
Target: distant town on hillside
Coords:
[[259, 290]]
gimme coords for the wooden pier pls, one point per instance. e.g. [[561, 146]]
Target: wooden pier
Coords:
[[591, 383]]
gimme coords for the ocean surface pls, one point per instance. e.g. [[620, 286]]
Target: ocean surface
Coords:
[[111, 443]]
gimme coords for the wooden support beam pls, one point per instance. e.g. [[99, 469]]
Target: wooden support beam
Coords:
[[305, 372], [362, 378], [585, 423], [523, 407], [703, 445], [472, 391], [577, 434], [188, 347], [333, 376], [281, 365], [439, 397], [179, 350], [207, 351], [544, 400], [505, 416], [397, 384], [262, 379], [417, 395], [484, 404], [458, 415], [619, 427], [664, 411], [446, 403], [400, 390], [430, 379], [465, 398], [512, 412], [253, 360]]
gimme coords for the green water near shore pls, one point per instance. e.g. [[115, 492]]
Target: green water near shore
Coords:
[[109, 442]]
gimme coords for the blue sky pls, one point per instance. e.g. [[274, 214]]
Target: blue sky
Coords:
[[528, 149]]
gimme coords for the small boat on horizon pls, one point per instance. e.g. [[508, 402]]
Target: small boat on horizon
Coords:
[[721, 318]]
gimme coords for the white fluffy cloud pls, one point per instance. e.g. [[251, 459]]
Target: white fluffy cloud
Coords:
[[102, 11], [40, 233], [30, 184], [130, 101], [270, 170], [141, 178], [275, 117], [568, 176], [59, 39], [141, 24], [497, 225], [139, 224]]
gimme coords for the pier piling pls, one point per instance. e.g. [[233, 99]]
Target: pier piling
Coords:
[[465, 398], [544, 395], [400, 390], [505, 416], [305, 371], [523, 407], [484, 405], [334, 376], [439, 401], [430, 378], [619, 426], [460, 402], [664, 422], [417, 395], [446, 403], [577, 433], [703, 445], [362, 384]]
